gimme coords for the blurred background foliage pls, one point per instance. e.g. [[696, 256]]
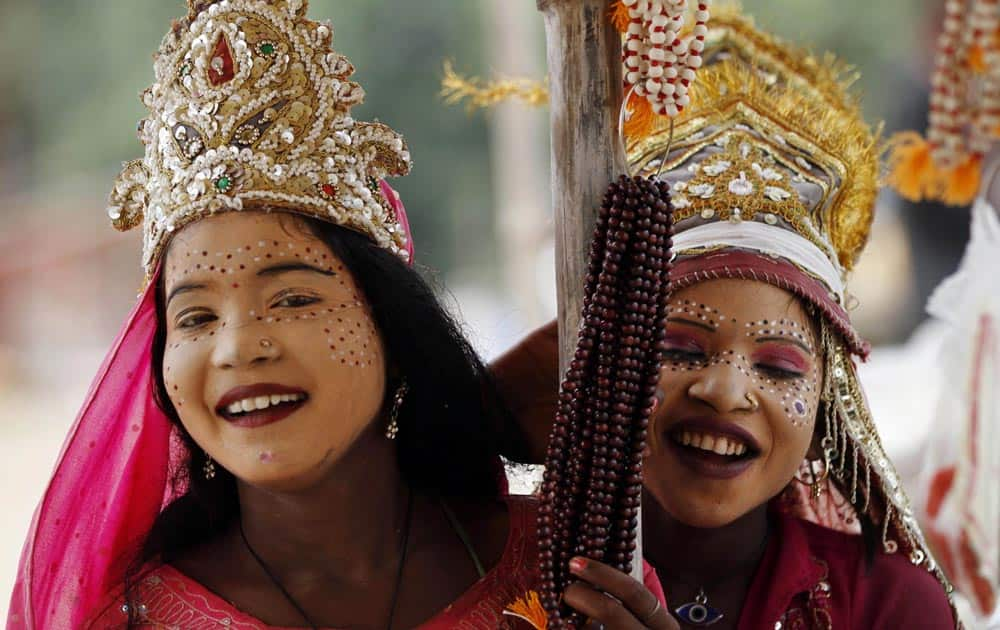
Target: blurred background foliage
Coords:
[[70, 72]]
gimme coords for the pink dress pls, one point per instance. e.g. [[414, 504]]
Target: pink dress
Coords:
[[170, 599]]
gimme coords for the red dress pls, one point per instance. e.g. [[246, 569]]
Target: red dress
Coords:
[[170, 599], [815, 578]]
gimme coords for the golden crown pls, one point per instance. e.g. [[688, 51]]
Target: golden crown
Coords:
[[251, 109], [771, 135]]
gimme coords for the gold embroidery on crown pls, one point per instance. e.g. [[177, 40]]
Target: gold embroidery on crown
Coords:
[[737, 184], [251, 109]]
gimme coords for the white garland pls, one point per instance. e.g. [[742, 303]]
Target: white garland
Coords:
[[660, 65]]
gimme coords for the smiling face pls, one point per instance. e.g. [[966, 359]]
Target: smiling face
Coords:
[[741, 387], [272, 359]]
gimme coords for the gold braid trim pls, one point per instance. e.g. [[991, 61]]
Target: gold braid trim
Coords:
[[480, 94]]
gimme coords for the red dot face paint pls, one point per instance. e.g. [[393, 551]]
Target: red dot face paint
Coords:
[[296, 306]]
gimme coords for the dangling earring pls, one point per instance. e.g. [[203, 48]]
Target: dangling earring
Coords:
[[209, 468], [393, 428], [818, 483]]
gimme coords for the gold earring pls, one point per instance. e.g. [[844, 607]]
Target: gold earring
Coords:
[[393, 428], [818, 484], [209, 468]]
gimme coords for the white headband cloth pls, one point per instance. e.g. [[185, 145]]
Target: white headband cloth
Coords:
[[765, 239]]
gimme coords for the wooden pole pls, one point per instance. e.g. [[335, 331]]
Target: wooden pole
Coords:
[[585, 95], [585, 83]]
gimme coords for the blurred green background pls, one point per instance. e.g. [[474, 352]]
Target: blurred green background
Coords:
[[70, 72]]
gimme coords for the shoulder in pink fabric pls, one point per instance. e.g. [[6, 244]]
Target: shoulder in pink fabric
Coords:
[[169, 598]]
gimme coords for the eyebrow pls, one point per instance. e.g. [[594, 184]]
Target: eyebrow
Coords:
[[786, 340], [281, 268], [273, 270], [184, 288], [678, 320]]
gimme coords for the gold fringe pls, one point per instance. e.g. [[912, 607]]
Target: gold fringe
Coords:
[[529, 608], [825, 115], [619, 16], [731, 29], [456, 88]]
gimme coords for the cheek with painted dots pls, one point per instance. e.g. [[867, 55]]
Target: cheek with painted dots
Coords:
[[350, 339], [797, 394]]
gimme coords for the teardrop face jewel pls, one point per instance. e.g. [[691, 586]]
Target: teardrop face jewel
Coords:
[[698, 613]]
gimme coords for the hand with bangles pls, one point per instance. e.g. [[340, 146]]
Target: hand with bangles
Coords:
[[613, 600]]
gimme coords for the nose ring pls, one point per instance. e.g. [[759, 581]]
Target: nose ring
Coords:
[[265, 343], [753, 401]]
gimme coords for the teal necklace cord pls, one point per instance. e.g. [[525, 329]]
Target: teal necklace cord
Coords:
[[464, 537]]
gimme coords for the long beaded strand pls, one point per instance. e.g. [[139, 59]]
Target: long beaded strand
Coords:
[[593, 476]]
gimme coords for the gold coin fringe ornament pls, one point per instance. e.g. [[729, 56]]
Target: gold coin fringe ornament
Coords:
[[593, 467], [964, 118]]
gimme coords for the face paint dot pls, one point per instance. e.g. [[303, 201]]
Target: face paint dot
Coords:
[[266, 456], [204, 253]]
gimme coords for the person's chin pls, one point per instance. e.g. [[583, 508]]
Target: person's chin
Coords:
[[702, 512]]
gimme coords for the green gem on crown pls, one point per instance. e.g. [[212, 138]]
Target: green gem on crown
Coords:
[[223, 184], [266, 49]]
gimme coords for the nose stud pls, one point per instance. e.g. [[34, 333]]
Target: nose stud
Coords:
[[265, 343], [753, 401]]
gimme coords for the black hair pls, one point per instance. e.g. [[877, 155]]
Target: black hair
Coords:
[[452, 425]]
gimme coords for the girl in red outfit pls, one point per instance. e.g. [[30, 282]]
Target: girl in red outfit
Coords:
[[769, 500]]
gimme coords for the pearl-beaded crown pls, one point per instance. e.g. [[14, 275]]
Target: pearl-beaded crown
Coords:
[[773, 136], [251, 108]]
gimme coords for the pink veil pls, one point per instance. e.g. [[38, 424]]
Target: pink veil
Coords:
[[110, 483]]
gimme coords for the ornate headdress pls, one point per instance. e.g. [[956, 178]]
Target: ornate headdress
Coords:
[[251, 108], [774, 174], [771, 156]]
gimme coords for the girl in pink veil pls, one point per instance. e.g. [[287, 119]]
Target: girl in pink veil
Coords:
[[288, 431]]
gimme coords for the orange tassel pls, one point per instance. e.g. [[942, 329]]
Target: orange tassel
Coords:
[[530, 609], [976, 61], [641, 118], [911, 168], [619, 15], [961, 184]]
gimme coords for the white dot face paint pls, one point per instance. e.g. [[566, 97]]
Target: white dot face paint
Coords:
[[255, 300], [739, 355], [780, 366]]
